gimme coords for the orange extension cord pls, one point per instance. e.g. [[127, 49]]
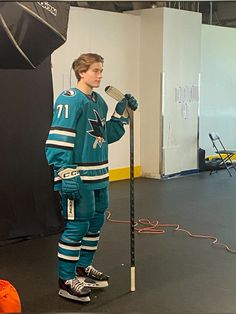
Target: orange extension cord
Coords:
[[151, 228]]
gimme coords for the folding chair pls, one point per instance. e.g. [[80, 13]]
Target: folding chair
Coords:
[[225, 155]]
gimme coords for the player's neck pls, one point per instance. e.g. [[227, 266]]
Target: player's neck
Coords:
[[86, 89]]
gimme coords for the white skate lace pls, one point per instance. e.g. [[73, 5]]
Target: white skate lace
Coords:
[[76, 285], [92, 270]]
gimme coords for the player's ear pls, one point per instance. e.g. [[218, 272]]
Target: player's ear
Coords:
[[82, 73]]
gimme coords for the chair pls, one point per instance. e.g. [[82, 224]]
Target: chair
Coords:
[[225, 155]]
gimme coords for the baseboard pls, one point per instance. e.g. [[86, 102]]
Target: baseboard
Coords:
[[180, 174], [123, 173], [217, 156]]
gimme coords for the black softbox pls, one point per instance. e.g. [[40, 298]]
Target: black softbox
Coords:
[[31, 31]]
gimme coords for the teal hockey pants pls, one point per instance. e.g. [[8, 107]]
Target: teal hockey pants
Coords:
[[83, 221]]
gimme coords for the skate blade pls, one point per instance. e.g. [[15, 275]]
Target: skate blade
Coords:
[[67, 295], [91, 283]]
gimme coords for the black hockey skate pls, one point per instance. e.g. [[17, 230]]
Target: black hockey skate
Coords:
[[90, 273], [74, 289]]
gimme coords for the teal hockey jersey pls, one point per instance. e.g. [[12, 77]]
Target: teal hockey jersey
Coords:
[[79, 137]]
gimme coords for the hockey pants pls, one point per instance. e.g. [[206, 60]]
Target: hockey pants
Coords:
[[83, 221]]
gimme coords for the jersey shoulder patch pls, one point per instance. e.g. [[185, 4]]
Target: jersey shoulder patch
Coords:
[[69, 93]]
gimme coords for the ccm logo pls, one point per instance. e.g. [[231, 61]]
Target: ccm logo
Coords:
[[70, 174]]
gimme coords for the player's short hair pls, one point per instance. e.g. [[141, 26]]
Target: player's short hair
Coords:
[[84, 61]]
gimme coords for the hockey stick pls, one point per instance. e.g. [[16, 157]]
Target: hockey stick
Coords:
[[117, 95]]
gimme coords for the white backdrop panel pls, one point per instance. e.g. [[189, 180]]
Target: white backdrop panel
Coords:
[[218, 86]]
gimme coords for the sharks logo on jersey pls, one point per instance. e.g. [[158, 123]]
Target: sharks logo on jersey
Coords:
[[69, 92], [98, 129]]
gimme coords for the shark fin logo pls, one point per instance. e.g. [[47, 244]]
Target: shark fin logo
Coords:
[[98, 129]]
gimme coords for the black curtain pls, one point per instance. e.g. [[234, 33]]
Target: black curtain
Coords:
[[28, 205]]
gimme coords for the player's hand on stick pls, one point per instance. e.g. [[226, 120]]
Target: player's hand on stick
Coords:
[[132, 102], [121, 113], [129, 101], [70, 183], [121, 106]]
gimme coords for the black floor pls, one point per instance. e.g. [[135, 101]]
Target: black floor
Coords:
[[174, 272]]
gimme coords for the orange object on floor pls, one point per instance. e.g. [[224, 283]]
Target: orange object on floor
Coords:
[[9, 298]]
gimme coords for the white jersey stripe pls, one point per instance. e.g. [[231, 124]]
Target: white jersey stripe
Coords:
[[60, 132], [69, 258], [92, 167], [68, 247], [91, 238], [60, 143], [89, 248], [102, 176]]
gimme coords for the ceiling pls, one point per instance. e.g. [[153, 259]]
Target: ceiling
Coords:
[[221, 13]]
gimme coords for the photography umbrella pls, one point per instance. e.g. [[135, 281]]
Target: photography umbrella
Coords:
[[30, 32]]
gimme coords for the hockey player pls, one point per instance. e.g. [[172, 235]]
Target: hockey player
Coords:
[[77, 149]]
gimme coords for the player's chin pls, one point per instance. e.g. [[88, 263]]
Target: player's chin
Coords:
[[97, 84]]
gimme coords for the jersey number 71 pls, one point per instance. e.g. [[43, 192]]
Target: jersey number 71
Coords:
[[63, 110]]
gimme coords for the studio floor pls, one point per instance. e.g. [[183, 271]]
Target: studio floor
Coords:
[[175, 273]]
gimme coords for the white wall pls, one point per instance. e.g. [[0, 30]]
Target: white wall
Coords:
[[181, 67], [169, 59], [151, 65], [218, 86], [116, 37]]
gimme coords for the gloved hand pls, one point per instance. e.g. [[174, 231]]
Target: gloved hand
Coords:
[[70, 183], [132, 102], [121, 106], [120, 110]]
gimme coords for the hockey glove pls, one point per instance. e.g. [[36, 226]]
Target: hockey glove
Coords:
[[70, 183], [120, 110], [132, 102], [121, 106], [120, 113]]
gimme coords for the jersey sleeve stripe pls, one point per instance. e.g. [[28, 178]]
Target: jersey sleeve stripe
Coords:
[[60, 144], [60, 128], [92, 167], [61, 138], [60, 132], [99, 177]]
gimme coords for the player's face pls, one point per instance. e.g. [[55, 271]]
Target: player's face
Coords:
[[93, 76]]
